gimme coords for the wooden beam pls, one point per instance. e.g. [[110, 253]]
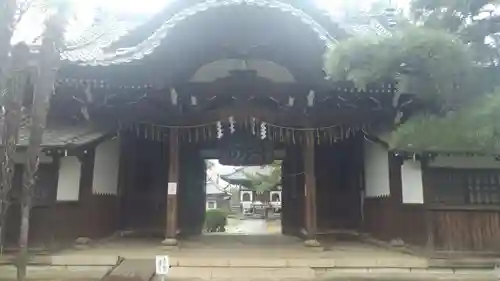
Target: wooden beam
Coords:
[[241, 111], [173, 182]]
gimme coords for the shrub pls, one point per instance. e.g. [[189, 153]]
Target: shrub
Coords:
[[215, 220]]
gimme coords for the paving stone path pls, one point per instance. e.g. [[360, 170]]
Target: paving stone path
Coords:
[[253, 226], [246, 258]]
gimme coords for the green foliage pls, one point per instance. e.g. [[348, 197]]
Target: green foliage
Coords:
[[473, 128], [431, 63], [215, 220], [471, 20], [261, 182]]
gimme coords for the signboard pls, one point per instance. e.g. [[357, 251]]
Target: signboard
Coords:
[[162, 265], [244, 149], [172, 188]]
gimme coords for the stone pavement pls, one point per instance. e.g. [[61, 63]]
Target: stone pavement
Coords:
[[255, 258], [386, 274], [252, 226], [59, 273]]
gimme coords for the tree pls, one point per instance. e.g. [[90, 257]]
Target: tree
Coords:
[[46, 74], [16, 82], [431, 63], [475, 22], [8, 10], [13, 81], [446, 50], [446, 55], [472, 128], [270, 180]]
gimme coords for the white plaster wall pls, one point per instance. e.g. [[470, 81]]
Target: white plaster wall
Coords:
[[107, 159], [411, 176], [376, 170], [465, 162], [68, 183]]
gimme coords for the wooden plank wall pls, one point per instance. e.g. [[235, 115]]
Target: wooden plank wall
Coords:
[[94, 216], [387, 218], [453, 228], [466, 230], [461, 227]]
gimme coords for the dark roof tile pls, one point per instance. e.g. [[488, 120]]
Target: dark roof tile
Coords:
[[59, 136]]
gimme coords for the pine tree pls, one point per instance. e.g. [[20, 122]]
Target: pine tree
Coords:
[[475, 22], [261, 182]]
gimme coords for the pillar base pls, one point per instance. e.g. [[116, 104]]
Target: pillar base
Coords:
[[170, 242], [312, 243]]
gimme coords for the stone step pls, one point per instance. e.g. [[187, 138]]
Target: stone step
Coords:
[[296, 263], [241, 239], [238, 262], [465, 262], [132, 270], [386, 274]]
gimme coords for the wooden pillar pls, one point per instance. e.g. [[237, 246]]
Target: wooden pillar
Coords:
[[173, 181], [429, 221], [310, 191]]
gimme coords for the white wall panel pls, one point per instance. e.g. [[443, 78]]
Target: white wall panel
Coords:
[[411, 176], [106, 164], [376, 170], [68, 183]]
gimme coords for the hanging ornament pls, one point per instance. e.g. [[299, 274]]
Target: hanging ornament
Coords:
[[220, 133], [253, 126], [231, 125], [174, 96], [263, 130]]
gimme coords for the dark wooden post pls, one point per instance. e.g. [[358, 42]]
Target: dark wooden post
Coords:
[[310, 191], [173, 181], [429, 222]]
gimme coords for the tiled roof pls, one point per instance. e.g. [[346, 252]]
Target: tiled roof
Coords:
[[93, 49], [63, 136], [212, 188], [59, 136], [240, 174], [81, 39]]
